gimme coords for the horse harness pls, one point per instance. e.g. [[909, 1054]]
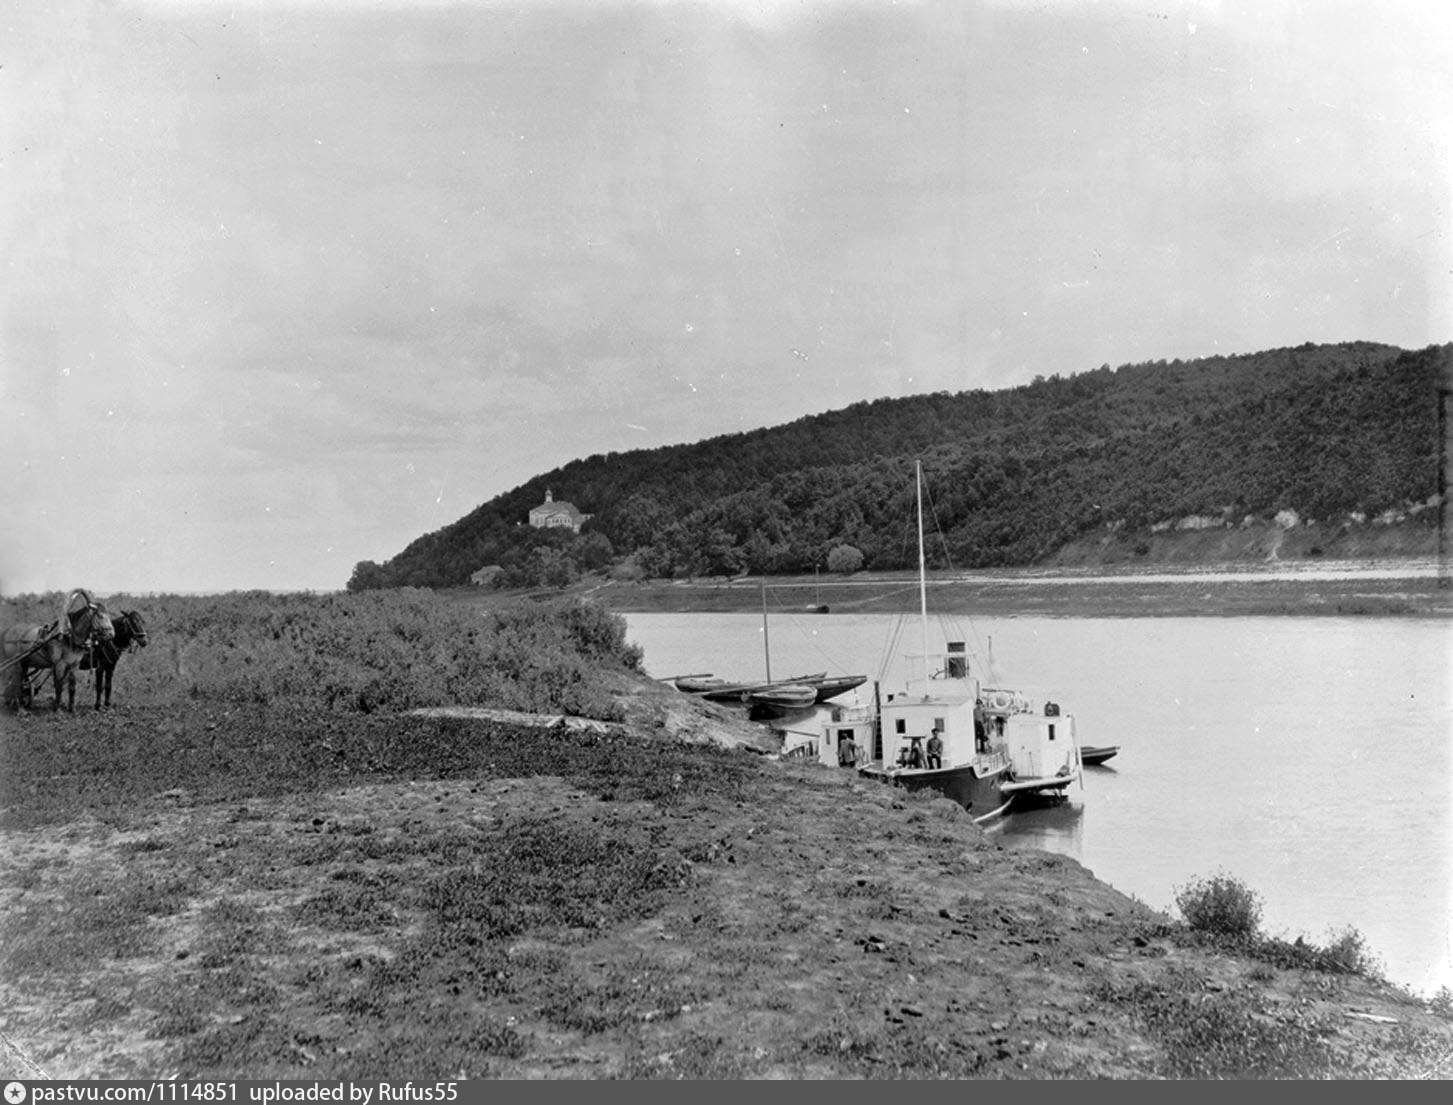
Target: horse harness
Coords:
[[54, 631]]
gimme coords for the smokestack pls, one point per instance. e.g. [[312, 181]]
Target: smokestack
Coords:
[[957, 666]]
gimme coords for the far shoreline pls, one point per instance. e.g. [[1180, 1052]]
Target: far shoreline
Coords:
[[1410, 589]]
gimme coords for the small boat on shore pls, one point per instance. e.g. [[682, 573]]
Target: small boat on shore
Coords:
[[782, 699], [696, 684], [705, 684], [823, 686], [1093, 757], [724, 690], [769, 697], [830, 686]]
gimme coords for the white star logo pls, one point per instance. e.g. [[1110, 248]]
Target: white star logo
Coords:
[[15, 1092]]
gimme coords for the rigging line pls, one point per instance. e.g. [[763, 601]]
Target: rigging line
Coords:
[[795, 619], [972, 630]]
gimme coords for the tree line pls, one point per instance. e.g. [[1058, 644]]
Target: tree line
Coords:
[[1325, 430]]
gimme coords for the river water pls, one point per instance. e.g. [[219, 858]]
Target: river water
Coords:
[[1310, 758]]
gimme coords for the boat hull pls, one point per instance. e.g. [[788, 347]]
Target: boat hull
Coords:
[[780, 701], [1057, 784], [1092, 757], [835, 685], [977, 790], [720, 690]]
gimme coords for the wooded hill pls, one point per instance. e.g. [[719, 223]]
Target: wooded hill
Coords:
[[1338, 434]]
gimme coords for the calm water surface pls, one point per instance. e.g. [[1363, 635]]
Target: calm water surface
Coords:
[[1308, 757]]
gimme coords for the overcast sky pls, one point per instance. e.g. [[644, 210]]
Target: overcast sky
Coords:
[[287, 285]]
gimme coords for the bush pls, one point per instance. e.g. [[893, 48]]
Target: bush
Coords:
[[844, 558], [1348, 953], [1441, 1003], [1220, 905]]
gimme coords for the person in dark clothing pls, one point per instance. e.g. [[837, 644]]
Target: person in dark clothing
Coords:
[[847, 752], [915, 752], [981, 732], [935, 750]]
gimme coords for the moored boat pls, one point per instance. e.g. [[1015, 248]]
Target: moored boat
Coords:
[[781, 699], [699, 684], [893, 739], [982, 746], [751, 692], [1096, 755], [1044, 758], [716, 689], [721, 690], [830, 686]]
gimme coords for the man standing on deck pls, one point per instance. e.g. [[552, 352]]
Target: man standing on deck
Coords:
[[981, 732], [847, 752]]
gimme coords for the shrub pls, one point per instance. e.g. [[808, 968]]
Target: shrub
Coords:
[[1348, 953], [1441, 1003], [844, 558], [1220, 905]]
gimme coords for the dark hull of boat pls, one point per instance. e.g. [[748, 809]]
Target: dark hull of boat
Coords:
[[721, 691], [779, 713], [838, 684], [1090, 757], [780, 701], [977, 793]]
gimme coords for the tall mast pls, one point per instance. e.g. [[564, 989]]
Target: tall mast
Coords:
[[766, 647], [922, 584]]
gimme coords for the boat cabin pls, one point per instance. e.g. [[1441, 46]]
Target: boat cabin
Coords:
[[1041, 745], [1038, 745], [943, 702], [858, 722]]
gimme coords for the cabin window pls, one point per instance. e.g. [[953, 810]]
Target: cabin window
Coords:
[[1051, 731], [938, 723], [900, 725]]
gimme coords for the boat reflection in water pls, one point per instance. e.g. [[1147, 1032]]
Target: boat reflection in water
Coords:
[[1056, 826]]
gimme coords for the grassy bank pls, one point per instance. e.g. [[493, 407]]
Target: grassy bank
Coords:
[[381, 650], [239, 874]]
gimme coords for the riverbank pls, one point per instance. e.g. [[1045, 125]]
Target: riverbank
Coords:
[[264, 892]]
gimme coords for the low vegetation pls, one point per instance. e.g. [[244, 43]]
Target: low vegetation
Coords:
[[360, 653]]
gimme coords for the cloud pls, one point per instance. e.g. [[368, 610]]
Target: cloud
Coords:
[[334, 258]]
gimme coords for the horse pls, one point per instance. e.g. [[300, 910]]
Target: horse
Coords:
[[130, 635], [59, 647]]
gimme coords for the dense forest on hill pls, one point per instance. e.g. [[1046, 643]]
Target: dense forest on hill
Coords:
[[1334, 433]]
